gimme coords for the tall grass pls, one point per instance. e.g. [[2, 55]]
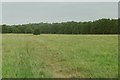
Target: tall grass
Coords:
[[84, 56], [0, 56]]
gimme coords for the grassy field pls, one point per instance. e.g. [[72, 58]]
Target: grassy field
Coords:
[[0, 56], [56, 56]]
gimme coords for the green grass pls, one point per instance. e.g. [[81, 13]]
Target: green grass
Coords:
[[56, 56], [0, 56]]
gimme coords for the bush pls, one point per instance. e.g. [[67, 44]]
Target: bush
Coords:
[[36, 32]]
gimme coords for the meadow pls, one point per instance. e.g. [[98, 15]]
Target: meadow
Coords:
[[0, 56], [59, 56]]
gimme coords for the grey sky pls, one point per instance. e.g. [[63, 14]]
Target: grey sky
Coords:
[[29, 12]]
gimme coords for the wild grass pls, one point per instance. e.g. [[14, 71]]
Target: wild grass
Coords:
[[59, 56], [0, 56]]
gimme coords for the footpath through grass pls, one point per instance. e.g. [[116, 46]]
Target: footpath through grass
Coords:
[[44, 56]]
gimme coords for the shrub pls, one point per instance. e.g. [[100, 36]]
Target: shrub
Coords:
[[36, 32]]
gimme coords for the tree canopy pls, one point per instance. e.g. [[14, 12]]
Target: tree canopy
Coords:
[[101, 26]]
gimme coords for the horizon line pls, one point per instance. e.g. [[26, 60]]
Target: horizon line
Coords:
[[58, 22]]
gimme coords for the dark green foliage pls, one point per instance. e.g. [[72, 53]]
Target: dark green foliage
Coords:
[[119, 25], [101, 26], [36, 32]]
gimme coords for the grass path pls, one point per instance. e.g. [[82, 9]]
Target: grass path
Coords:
[[51, 59]]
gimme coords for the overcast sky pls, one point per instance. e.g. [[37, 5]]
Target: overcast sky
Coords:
[[31, 12]]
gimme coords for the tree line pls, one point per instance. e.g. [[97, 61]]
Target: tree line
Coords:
[[101, 26]]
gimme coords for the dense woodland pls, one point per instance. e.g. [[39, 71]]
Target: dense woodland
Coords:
[[101, 26]]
